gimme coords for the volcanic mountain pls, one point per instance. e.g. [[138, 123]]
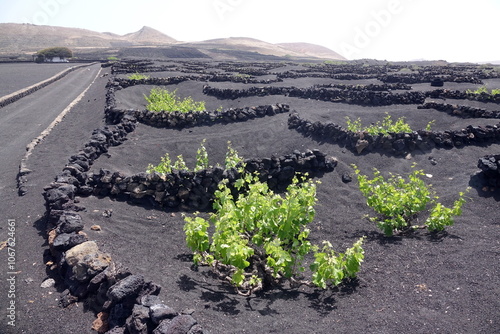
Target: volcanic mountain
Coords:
[[25, 39], [312, 50], [28, 38], [278, 50]]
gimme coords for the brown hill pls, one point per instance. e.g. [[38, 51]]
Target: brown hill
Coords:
[[19, 38], [149, 35], [279, 50], [214, 47], [312, 50]]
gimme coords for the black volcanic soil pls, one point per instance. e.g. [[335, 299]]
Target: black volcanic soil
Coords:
[[420, 283]]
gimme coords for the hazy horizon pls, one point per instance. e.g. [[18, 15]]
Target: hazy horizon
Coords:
[[395, 30]]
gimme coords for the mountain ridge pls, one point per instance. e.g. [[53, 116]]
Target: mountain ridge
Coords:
[[16, 37], [25, 39]]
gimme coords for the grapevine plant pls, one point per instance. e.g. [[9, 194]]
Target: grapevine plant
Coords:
[[399, 201], [483, 90], [163, 100], [386, 126], [138, 76], [261, 238], [166, 166]]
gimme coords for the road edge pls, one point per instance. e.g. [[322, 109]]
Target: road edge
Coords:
[[23, 169], [13, 97]]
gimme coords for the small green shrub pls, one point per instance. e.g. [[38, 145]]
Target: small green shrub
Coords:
[[180, 164], [201, 158], [163, 100], [331, 269], [261, 238], [483, 90], [243, 75], [429, 125], [232, 159], [385, 127], [166, 165], [355, 125], [398, 201], [138, 76], [442, 216], [395, 199]]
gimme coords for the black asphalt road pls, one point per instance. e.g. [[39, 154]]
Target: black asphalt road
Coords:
[[16, 76], [22, 273]]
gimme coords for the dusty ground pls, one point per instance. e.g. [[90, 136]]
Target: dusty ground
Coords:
[[412, 284]]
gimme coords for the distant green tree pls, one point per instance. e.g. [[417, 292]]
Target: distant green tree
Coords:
[[50, 53]]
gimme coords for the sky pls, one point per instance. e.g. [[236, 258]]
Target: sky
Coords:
[[394, 30]]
